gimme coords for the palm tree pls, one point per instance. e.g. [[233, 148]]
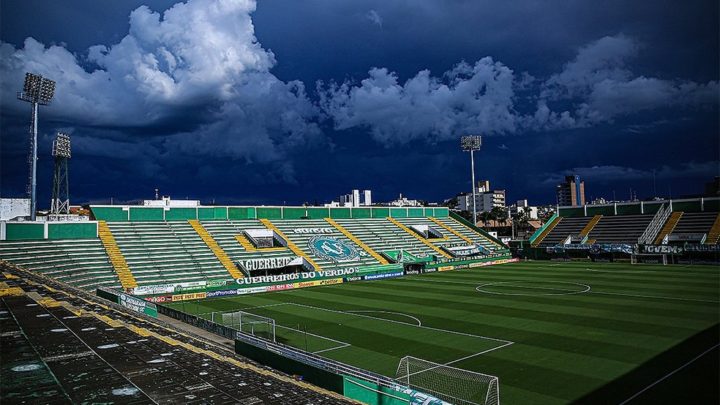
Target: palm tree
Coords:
[[485, 216], [499, 214]]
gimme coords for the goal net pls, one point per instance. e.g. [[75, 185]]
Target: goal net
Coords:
[[636, 258], [252, 324], [454, 385]]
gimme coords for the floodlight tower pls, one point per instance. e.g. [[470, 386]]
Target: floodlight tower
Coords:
[[60, 203], [471, 143], [37, 91]]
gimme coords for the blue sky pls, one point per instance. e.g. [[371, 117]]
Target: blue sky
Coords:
[[285, 101]]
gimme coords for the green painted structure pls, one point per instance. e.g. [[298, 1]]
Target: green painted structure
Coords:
[[224, 213]]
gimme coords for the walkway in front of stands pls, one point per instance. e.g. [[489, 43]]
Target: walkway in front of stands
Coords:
[[59, 347]]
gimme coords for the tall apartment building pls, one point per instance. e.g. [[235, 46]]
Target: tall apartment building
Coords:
[[571, 192], [352, 199], [485, 197]]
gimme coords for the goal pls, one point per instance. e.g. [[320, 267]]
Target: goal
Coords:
[[454, 385], [252, 324], [654, 258]]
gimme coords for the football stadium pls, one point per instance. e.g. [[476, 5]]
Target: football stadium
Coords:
[[253, 290], [376, 305]]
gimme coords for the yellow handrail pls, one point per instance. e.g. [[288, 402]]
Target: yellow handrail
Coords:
[[216, 249], [420, 238], [290, 244], [117, 260], [357, 241]]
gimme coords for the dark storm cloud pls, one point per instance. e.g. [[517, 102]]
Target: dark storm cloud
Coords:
[[210, 97]]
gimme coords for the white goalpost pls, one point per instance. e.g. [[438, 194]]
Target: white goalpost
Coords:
[[658, 258], [252, 324], [454, 385]]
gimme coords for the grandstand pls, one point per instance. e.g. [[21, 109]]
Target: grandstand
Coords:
[[64, 346], [172, 263], [136, 246], [656, 222], [79, 262]]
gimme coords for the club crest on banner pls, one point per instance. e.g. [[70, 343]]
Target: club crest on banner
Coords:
[[332, 249]]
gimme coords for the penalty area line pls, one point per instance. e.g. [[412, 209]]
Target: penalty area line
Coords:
[[669, 374]]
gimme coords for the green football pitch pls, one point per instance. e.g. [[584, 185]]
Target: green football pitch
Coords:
[[552, 332]]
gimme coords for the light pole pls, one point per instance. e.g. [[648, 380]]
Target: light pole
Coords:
[[60, 202], [37, 91], [471, 143]]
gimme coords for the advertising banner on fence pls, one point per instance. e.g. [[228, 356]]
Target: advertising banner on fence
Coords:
[[677, 249], [383, 275], [137, 305], [190, 296], [493, 262], [159, 299], [303, 276]]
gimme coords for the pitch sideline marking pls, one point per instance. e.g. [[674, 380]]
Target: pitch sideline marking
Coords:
[[419, 323], [669, 374]]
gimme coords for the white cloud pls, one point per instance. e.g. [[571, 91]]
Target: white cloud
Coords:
[[612, 173], [595, 87], [601, 87], [467, 99], [374, 17], [200, 57]]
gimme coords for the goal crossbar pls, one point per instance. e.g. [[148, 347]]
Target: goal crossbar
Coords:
[[452, 384]]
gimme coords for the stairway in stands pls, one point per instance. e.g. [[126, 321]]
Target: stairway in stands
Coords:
[[420, 238], [216, 249], [116, 257], [590, 225], [357, 241], [547, 230], [669, 226], [714, 234], [290, 244]]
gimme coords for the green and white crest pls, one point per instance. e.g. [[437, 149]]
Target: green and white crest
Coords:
[[332, 249]]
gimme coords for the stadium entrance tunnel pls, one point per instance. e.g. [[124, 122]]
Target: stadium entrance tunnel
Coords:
[[533, 288]]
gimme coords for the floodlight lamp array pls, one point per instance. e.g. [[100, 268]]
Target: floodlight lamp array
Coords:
[[471, 142], [37, 89], [61, 146]]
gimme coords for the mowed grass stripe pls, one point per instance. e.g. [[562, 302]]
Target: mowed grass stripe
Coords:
[[671, 289], [498, 325], [516, 269], [515, 373], [570, 266], [565, 346], [588, 302], [351, 330], [658, 287], [559, 318], [392, 339]]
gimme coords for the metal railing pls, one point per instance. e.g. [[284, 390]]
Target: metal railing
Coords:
[[655, 225]]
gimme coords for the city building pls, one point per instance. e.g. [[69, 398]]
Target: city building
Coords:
[[571, 192], [523, 206], [13, 208], [404, 202], [166, 201], [352, 199], [486, 198]]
